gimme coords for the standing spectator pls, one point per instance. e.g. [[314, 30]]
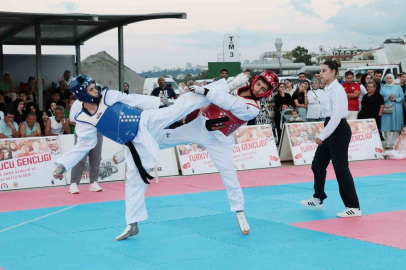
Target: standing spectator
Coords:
[[365, 79], [371, 72], [19, 116], [68, 110], [282, 101], [372, 105], [358, 78], [30, 89], [316, 76], [127, 89], [9, 128], [402, 82], [7, 86], [57, 125], [56, 98], [289, 87], [30, 127], [248, 73], [353, 91], [163, 91], [67, 77], [224, 74], [378, 78], [263, 118], [315, 99], [322, 85], [64, 92], [300, 100], [302, 78], [397, 81], [94, 158], [392, 122]]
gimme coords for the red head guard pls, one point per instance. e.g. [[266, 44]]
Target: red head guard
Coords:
[[270, 78]]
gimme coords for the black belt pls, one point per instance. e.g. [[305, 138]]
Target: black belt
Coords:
[[211, 123], [137, 160]]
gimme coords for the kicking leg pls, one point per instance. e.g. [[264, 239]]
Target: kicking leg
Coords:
[[221, 155]]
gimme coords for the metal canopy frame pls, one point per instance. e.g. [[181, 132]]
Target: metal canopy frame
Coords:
[[75, 29]]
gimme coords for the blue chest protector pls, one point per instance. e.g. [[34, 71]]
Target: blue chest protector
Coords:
[[118, 122]]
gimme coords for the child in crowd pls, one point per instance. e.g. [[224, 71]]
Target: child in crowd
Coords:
[[400, 147], [295, 117]]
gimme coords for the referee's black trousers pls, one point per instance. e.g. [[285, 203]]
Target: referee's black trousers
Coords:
[[335, 148]]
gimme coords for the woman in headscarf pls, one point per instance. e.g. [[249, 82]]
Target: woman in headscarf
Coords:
[[315, 99], [392, 118]]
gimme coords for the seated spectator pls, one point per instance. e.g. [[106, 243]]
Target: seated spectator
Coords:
[[32, 107], [400, 147], [163, 90], [23, 97], [67, 77], [5, 153], [43, 121], [51, 110], [19, 116], [65, 93], [7, 86], [67, 114], [30, 127], [295, 117], [31, 89], [57, 124], [56, 98], [9, 128]]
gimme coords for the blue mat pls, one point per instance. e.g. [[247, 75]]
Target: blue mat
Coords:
[[198, 231]]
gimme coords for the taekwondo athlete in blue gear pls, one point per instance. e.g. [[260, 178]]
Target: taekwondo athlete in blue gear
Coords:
[[119, 117]]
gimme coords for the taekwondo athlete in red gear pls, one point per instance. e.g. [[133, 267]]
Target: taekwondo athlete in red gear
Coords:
[[214, 125]]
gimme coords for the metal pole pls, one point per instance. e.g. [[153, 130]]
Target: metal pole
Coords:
[[121, 58], [1, 60], [39, 65], [78, 63]]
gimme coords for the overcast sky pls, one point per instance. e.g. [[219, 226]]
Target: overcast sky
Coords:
[[198, 39]]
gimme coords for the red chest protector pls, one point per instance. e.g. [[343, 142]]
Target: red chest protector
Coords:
[[223, 120]]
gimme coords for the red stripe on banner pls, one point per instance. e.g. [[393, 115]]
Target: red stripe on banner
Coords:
[[59, 196], [383, 228]]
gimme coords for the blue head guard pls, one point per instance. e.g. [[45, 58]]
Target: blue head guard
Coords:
[[78, 87]]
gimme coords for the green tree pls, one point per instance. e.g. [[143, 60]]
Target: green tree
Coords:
[[288, 55], [301, 55]]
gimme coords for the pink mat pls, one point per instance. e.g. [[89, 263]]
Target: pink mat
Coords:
[[59, 196], [384, 228]]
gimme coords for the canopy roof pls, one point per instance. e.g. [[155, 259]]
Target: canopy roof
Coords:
[[65, 29]]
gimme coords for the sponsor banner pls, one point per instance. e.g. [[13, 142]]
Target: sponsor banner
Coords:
[[254, 148], [29, 162], [365, 142], [112, 166], [167, 164]]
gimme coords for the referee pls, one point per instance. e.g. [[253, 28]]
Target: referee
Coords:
[[333, 144]]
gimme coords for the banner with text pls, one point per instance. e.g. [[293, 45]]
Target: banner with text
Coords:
[[254, 148], [365, 142], [28, 162]]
